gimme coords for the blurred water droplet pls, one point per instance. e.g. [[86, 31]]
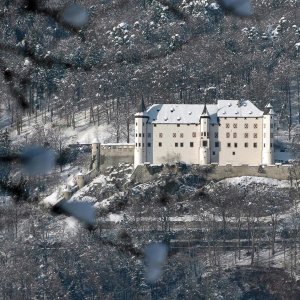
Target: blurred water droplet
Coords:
[[82, 211], [38, 160], [75, 16], [241, 8], [155, 257]]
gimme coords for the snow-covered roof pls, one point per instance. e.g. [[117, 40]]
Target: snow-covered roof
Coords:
[[238, 108], [191, 113]]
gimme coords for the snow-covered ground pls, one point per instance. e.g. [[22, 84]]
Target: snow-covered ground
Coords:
[[247, 180], [84, 132]]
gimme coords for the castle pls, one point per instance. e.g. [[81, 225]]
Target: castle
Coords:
[[232, 132]]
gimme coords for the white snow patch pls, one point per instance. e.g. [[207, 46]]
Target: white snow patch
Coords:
[[116, 218], [246, 180], [51, 199], [71, 225]]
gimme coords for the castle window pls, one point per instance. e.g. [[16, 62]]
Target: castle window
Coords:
[[264, 135], [176, 144], [255, 126], [265, 125], [139, 144], [233, 153], [255, 145], [154, 125], [136, 144], [178, 125], [271, 135], [160, 144], [208, 134], [234, 135], [191, 144], [174, 135], [216, 135], [235, 145], [149, 135], [143, 145], [181, 144], [246, 125], [235, 125], [201, 133], [246, 135], [204, 143], [255, 135], [143, 124], [149, 144], [217, 144], [135, 124], [140, 134], [246, 145], [228, 145], [136, 134], [271, 126], [264, 145], [181, 135], [227, 125], [160, 135], [143, 135], [194, 134], [271, 145], [204, 133], [227, 134], [214, 153]]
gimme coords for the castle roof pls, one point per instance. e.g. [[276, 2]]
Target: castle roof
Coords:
[[190, 113]]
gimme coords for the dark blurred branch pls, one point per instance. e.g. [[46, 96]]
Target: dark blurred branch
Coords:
[[11, 78]]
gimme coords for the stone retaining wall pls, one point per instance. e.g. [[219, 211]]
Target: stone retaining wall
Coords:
[[145, 173]]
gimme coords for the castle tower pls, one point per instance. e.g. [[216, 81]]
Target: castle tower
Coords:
[[268, 136], [95, 165], [80, 180], [204, 151], [140, 150], [66, 192]]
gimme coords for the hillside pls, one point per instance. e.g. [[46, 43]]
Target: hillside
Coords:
[[177, 51], [229, 239]]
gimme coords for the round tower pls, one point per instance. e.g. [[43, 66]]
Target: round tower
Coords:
[[204, 150], [66, 192], [95, 165], [140, 149], [80, 180], [268, 136]]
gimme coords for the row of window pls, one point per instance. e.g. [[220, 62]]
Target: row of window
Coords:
[[234, 135], [246, 125], [245, 144], [204, 144], [139, 144], [246, 135]]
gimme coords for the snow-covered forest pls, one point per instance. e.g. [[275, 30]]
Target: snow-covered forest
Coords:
[[73, 72]]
